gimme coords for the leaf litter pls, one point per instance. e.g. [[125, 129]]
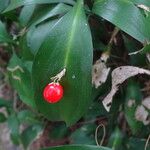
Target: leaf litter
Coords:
[[119, 75]]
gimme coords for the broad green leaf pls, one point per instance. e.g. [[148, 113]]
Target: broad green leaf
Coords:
[[43, 13], [133, 98], [30, 134], [20, 79], [17, 3], [125, 15], [2, 117], [77, 147], [3, 4], [25, 49], [69, 46], [26, 14], [141, 2], [4, 37], [38, 34]]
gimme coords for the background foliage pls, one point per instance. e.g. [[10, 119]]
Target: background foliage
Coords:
[[39, 38]]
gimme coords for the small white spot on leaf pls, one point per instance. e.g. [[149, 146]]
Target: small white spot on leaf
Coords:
[[73, 77], [131, 103]]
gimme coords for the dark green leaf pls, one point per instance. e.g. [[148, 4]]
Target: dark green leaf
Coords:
[[4, 37], [38, 34], [132, 46], [43, 13], [125, 15], [30, 134], [20, 79], [17, 3], [26, 116], [64, 48], [58, 131], [78, 147], [84, 135], [25, 49], [145, 49], [2, 117], [5, 103]]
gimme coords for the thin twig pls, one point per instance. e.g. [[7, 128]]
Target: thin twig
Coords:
[[147, 141], [96, 134], [115, 32]]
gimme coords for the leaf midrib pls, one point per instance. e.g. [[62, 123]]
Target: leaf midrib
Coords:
[[72, 34]]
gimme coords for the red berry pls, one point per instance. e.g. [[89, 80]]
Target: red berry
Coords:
[[53, 92]]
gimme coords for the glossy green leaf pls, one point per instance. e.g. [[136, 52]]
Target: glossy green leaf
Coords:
[[125, 15], [64, 48], [133, 98], [44, 13], [78, 147], [3, 4], [25, 49], [141, 2], [26, 14], [39, 32], [30, 134], [20, 79], [17, 3], [4, 37]]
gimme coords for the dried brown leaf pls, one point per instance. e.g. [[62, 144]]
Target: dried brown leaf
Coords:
[[119, 75], [142, 115], [146, 102], [100, 72]]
